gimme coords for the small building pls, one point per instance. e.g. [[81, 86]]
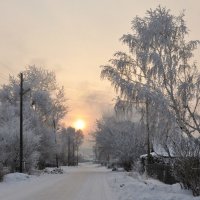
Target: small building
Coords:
[[159, 167]]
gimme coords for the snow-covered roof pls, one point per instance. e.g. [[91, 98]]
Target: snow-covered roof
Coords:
[[160, 151], [145, 155]]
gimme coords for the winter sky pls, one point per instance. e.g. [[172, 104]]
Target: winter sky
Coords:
[[73, 38]]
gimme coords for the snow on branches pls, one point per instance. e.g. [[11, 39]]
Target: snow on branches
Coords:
[[159, 67]]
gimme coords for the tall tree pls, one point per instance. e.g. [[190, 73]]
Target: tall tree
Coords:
[[159, 68]]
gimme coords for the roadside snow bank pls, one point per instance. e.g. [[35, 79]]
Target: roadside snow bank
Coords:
[[15, 177], [138, 188], [28, 185]]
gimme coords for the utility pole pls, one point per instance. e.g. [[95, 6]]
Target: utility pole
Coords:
[[73, 154], [77, 156], [22, 92], [69, 156], [54, 125], [21, 124]]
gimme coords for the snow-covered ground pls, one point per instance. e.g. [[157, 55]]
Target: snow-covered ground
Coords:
[[88, 182], [134, 187]]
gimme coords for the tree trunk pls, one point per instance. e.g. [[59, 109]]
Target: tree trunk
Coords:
[[148, 132]]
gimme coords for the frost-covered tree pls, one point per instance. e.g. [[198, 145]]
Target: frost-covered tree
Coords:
[[44, 108], [78, 140], [122, 141], [9, 139], [159, 68], [70, 140], [160, 77]]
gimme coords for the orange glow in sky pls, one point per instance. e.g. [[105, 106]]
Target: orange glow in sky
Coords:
[[73, 38]]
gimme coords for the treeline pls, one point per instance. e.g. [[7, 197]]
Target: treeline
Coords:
[[71, 141], [160, 79], [44, 107]]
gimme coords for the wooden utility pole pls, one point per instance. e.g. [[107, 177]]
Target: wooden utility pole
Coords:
[[69, 156], [77, 156], [73, 153], [54, 125], [21, 149], [21, 124]]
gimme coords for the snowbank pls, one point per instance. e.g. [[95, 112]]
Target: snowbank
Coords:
[[140, 188], [15, 177]]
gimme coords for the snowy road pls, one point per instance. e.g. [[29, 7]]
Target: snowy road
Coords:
[[90, 182], [82, 183]]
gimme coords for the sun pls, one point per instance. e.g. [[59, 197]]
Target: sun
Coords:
[[79, 124]]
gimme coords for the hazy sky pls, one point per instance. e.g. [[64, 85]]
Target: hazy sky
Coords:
[[73, 38]]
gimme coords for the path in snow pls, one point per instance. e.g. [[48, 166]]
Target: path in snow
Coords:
[[82, 183]]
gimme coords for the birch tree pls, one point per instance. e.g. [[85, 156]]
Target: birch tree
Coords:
[[159, 67]]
